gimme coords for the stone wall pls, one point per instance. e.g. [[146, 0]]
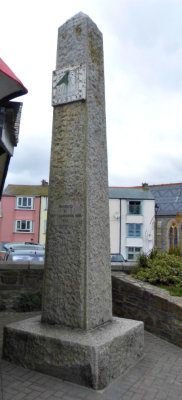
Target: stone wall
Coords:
[[160, 312], [18, 279], [124, 266]]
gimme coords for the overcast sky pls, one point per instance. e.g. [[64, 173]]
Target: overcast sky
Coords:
[[143, 80]]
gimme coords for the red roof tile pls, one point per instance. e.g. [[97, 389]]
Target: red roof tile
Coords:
[[10, 85]]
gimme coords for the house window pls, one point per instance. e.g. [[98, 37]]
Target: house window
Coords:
[[134, 207], [173, 236], [134, 230], [45, 225], [2, 246], [45, 203], [23, 226], [25, 203], [133, 253]]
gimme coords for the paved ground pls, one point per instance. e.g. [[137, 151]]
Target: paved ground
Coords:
[[158, 376]]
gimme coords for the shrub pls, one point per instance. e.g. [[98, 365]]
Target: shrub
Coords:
[[2, 306], [143, 258], [30, 302], [153, 254], [161, 269], [175, 250]]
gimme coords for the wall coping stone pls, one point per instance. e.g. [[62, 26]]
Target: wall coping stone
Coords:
[[14, 265], [147, 287]]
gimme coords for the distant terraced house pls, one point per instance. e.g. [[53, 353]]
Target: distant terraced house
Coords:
[[24, 214], [141, 218], [168, 215], [132, 221]]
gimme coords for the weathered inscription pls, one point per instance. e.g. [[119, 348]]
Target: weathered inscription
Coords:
[[65, 215]]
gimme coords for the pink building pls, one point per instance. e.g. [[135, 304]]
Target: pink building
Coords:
[[20, 213]]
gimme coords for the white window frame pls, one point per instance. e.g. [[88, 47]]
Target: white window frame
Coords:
[[133, 252], [45, 225], [21, 200], [135, 206], [24, 226], [135, 230], [46, 203]]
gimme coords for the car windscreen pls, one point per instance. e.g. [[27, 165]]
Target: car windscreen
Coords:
[[19, 257], [117, 258], [26, 257], [37, 259], [26, 247]]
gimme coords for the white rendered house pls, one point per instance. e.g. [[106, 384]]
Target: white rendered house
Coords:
[[132, 221]]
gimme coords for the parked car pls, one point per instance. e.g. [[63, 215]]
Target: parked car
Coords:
[[23, 246], [25, 255], [117, 258]]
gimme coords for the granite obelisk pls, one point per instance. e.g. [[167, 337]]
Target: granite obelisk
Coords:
[[77, 284], [76, 338]]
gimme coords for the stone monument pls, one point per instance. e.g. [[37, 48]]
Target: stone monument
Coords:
[[76, 338]]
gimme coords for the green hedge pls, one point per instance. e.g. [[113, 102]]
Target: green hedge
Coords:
[[160, 269]]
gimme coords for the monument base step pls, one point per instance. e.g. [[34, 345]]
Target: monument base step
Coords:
[[90, 358]]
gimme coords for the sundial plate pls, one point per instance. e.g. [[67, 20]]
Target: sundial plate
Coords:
[[69, 84]]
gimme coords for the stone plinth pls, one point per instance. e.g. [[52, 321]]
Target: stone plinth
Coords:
[[90, 358]]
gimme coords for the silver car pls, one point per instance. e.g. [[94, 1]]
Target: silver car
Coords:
[[117, 258], [23, 246], [25, 255]]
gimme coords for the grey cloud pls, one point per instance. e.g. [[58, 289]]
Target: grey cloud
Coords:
[[143, 43], [30, 165], [164, 169], [150, 37], [146, 22]]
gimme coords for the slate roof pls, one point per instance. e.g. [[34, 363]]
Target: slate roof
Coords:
[[26, 190], [168, 197], [130, 193]]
